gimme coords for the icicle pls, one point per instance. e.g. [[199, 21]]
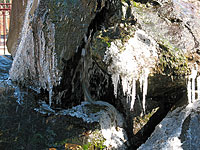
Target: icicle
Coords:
[[145, 85], [191, 84], [192, 77], [189, 90], [50, 89], [133, 94], [193, 89], [115, 80], [198, 87], [50, 96], [83, 52], [125, 85]]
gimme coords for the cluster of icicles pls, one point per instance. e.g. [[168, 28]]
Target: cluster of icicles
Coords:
[[191, 87], [130, 91]]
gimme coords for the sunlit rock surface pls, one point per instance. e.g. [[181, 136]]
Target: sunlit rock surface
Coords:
[[178, 130], [16, 24]]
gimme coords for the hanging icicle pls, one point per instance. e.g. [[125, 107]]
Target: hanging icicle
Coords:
[[198, 87], [189, 91], [191, 84], [115, 80], [133, 97], [145, 86], [50, 89]]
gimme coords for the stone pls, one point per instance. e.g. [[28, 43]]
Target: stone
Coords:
[[16, 23], [178, 130], [61, 44], [105, 125]]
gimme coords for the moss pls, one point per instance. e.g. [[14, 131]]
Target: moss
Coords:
[[139, 121], [102, 40], [134, 3], [137, 4], [172, 60], [96, 141]]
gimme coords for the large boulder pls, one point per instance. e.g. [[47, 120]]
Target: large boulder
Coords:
[[99, 125], [178, 130]]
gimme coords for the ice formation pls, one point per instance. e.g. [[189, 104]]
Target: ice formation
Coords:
[[191, 88], [131, 61], [198, 87], [35, 60], [144, 86], [189, 91]]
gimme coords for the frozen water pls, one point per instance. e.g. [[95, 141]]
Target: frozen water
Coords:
[[131, 61], [198, 87], [115, 80], [145, 86], [191, 89], [133, 95], [35, 64]]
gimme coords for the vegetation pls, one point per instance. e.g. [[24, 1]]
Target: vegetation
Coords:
[[96, 141], [172, 60], [140, 121]]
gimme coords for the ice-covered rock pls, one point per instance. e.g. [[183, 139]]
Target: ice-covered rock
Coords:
[[131, 61]]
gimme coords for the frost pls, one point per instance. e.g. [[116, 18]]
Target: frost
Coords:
[[131, 61]]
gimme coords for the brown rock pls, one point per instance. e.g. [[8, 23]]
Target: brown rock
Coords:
[[16, 22]]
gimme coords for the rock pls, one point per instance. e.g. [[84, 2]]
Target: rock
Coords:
[[43, 28], [87, 125], [16, 23], [63, 44], [98, 124], [178, 130], [164, 23]]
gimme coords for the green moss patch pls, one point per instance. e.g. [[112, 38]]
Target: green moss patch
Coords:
[[173, 62]]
